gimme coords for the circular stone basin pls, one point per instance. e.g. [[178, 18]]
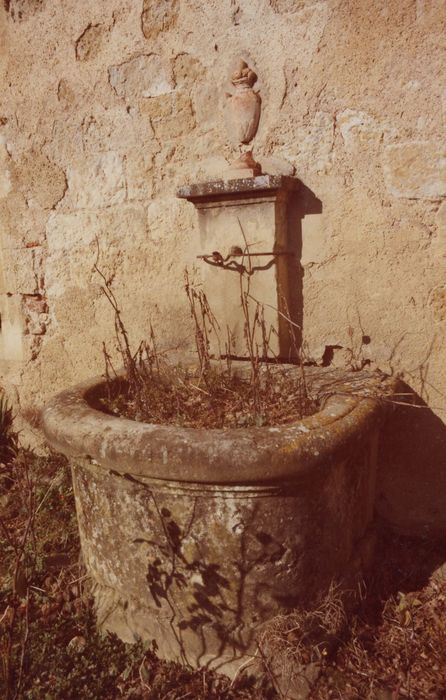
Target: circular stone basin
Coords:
[[195, 537]]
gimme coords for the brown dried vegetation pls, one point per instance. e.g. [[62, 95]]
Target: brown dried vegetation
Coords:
[[386, 641], [213, 393]]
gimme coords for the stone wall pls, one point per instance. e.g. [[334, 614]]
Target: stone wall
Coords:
[[108, 106]]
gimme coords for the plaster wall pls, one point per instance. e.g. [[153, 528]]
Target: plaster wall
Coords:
[[107, 107]]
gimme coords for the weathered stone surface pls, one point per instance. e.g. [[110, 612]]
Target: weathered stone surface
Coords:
[[162, 106], [358, 129], [188, 547], [187, 70], [40, 180], [22, 279], [273, 165], [315, 240], [118, 129], [230, 213], [158, 16], [11, 338], [161, 214], [440, 216], [23, 9], [281, 6], [171, 115], [429, 10], [65, 94], [106, 175], [107, 229], [416, 170], [36, 316], [89, 43], [315, 145], [438, 241], [228, 189], [138, 174], [142, 76], [5, 172], [437, 303]]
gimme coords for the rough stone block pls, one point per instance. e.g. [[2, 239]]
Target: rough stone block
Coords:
[[89, 43], [437, 302], [142, 76], [66, 94], [443, 106], [21, 277], [438, 240], [171, 115], [96, 182], [40, 180], [162, 106], [158, 16], [415, 170], [11, 348], [5, 174], [115, 130], [276, 166], [158, 107], [429, 9], [187, 69], [115, 229], [210, 168], [175, 126], [281, 6], [161, 214], [138, 171], [315, 142], [358, 128]]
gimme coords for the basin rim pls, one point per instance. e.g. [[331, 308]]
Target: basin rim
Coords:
[[244, 455]]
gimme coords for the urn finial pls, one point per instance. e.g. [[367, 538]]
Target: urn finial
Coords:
[[242, 116]]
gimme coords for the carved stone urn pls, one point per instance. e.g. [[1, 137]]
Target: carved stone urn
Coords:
[[243, 106], [242, 116]]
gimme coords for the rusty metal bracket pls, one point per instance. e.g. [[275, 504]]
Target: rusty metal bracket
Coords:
[[217, 257]]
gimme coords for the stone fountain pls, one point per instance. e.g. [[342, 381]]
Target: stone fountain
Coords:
[[194, 538]]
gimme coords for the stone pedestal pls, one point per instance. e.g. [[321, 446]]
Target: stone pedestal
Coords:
[[255, 215]]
